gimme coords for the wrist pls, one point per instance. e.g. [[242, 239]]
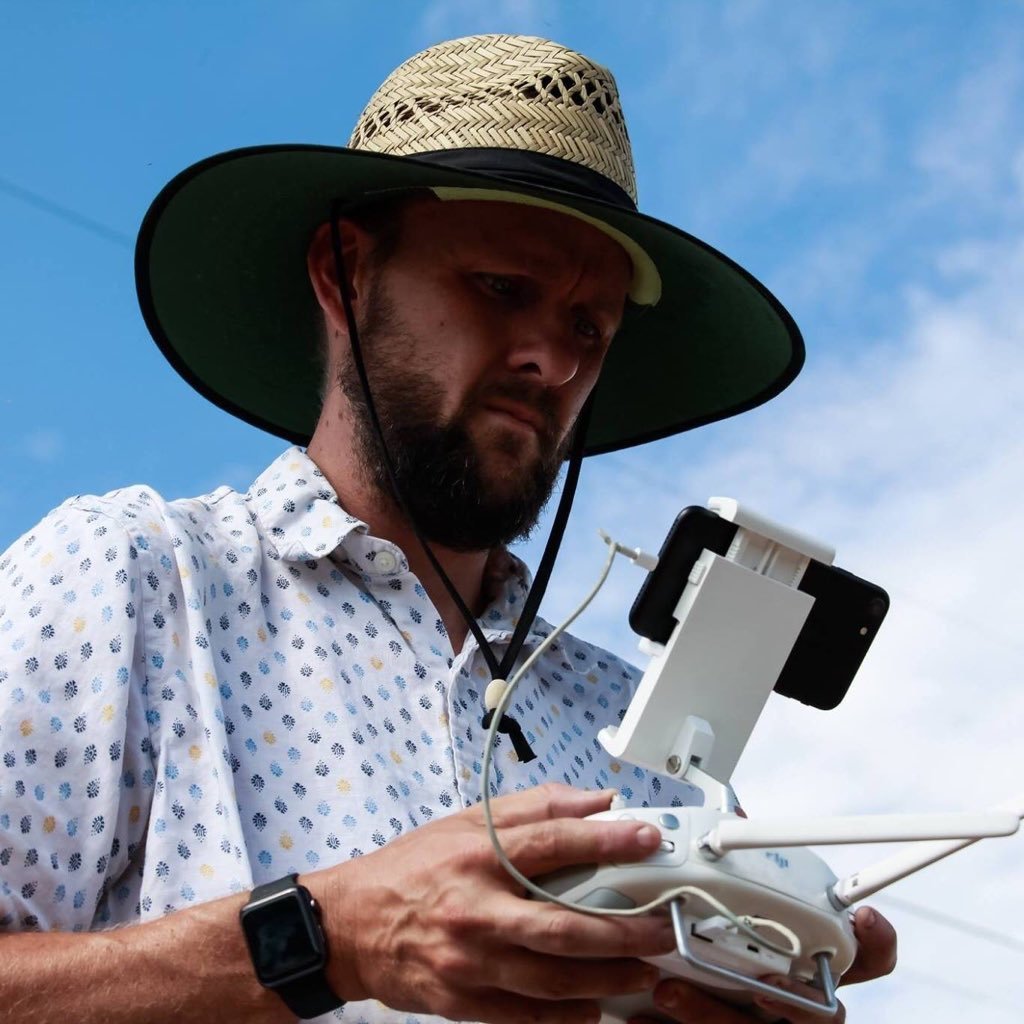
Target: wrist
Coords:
[[287, 946], [336, 893]]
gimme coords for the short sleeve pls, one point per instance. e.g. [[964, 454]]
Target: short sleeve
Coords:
[[77, 777]]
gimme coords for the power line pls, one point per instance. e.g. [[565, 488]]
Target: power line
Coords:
[[958, 923], [65, 213], [973, 995]]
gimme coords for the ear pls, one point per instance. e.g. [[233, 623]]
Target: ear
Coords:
[[356, 247]]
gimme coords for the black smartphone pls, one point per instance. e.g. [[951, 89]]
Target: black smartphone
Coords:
[[843, 621]]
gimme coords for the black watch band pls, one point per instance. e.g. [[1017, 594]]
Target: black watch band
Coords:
[[307, 992], [309, 997]]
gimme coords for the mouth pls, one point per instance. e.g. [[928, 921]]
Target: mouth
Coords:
[[519, 414]]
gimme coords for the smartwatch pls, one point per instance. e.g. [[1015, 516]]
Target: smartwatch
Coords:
[[281, 923]]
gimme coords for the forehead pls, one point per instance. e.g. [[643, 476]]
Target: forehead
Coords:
[[545, 241]]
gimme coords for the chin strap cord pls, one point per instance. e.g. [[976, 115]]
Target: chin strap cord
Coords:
[[514, 731], [499, 670]]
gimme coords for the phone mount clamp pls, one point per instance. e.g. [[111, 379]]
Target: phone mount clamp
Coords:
[[737, 619]]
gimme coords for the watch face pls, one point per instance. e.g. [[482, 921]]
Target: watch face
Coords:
[[284, 938]]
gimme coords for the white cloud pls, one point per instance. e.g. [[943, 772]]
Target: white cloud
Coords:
[[726, 58], [910, 459], [969, 147], [1017, 166], [446, 19], [769, 96], [44, 445]]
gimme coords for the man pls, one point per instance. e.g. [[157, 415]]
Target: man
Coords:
[[204, 699]]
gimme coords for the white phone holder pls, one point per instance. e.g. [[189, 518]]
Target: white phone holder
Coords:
[[737, 621]]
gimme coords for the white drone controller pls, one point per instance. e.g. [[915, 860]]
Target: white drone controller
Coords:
[[735, 607], [762, 874]]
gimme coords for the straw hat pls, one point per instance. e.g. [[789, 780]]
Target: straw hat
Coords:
[[220, 259]]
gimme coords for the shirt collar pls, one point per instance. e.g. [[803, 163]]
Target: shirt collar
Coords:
[[300, 513], [299, 509]]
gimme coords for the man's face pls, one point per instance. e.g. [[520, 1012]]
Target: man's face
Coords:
[[484, 331]]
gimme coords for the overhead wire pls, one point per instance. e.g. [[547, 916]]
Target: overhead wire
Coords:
[[65, 213], [954, 922], [966, 992]]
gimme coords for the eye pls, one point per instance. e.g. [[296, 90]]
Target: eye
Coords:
[[499, 284], [588, 329]]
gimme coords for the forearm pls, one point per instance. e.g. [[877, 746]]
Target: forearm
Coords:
[[187, 967]]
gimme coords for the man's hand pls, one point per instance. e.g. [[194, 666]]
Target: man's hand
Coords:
[[432, 922], [876, 957]]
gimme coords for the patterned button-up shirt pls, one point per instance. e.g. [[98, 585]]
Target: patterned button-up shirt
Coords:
[[202, 695]]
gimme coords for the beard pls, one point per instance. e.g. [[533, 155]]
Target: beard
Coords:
[[454, 494]]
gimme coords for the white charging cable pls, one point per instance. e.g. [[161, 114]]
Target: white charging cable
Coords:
[[497, 698]]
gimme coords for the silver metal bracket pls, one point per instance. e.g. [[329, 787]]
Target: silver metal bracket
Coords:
[[823, 980]]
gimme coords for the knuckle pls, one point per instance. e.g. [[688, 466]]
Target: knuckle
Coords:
[[539, 840], [559, 930], [549, 792], [451, 963], [462, 921], [548, 838]]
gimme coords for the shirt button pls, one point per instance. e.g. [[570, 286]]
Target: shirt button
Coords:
[[385, 561]]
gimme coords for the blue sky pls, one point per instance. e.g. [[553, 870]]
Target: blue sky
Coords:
[[865, 160], [799, 138]]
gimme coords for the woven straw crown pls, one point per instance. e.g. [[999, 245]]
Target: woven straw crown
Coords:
[[502, 92]]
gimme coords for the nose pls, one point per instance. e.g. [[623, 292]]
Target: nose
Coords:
[[545, 351]]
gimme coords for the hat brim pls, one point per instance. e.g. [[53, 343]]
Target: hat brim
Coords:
[[220, 269]]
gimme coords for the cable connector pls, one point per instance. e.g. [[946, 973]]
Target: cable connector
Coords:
[[636, 555]]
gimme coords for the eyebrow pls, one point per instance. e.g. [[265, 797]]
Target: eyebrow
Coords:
[[533, 263], [520, 256]]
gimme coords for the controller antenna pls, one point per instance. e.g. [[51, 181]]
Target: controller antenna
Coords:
[[877, 876]]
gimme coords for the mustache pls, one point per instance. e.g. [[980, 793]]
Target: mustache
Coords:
[[534, 396]]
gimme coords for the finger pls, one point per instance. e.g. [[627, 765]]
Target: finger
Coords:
[[691, 1005], [497, 1007], [555, 931], [794, 1014], [543, 846], [546, 977], [876, 947], [551, 800]]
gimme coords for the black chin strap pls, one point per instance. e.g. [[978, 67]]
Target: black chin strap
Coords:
[[499, 670]]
